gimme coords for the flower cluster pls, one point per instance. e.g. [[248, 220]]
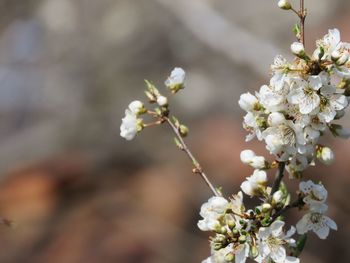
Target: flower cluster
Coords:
[[239, 234], [315, 196], [131, 123], [303, 99]]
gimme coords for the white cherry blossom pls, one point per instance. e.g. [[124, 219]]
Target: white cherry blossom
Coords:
[[315, 193], [136, 107], [176, 80], [304, 94], [130, 125], [249, 157], [271, 242], [316, 222], [248, 102], [255, 183], [211, 211]]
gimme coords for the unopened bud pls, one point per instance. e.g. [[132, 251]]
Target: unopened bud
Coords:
[[223, 230], [183, 130], [242, 239], [325, 155], [277, 197], [229, 257], [150, 96], [298, 49], [162, 101], [137, 107], [266, 207], [284, 4], [217, 246], [231, 224], [343, 59], [335, 55], [253, 252], [235, 232]]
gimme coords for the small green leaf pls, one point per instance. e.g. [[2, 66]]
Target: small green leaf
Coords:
[[151, 88], [178, 143], [297, 30], [176, 122], [300, 245]]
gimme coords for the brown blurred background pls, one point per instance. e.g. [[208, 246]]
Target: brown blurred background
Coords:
[[69, 68]]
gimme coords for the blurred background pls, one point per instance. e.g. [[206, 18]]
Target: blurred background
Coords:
[[68, 69]]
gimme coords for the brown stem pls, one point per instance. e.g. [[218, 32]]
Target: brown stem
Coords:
[[295, 204], [197, 168], [302, 16], [279, 177]]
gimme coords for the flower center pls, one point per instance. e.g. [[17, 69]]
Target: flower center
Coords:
[[288, 135], [316, 218]]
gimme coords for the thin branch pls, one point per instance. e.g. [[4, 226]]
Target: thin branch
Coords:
[[295, 204], [279, 177], [302, 16], [197, 168]]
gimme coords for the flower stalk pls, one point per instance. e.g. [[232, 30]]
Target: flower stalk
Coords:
[[197, 167]]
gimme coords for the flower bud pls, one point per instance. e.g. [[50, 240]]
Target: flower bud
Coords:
[[298, 49], [230, 257], [249, 157], [275, 119], [137, 107], [254, 252], [150, 96], [266, 207], [162, 101], [277, 197], [335, 55], [231, 224], [248, 102], [183, 130], [343, 59], [223, 230], [217, 246], [242, 239], [284, 4], [175, 81], [235, 232], [325, 155]]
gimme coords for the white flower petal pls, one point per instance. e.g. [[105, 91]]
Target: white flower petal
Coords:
[[276, 228], [303, 226], [329, 222], [321, 231], [278, 254], [291, 260]]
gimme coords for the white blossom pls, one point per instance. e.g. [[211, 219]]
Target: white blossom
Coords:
[[249, 157], [271, 243], [255, 183], [331, 103], [175, 81], [277, 197], [162, 101], [248, 102], [211, 211], [314, 193], [136, 107], [130, 125], [317, 222], [297, 48], [304, 94], [284, 4], [326, 155]]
